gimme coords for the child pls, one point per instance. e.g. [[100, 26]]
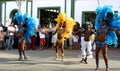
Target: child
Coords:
[[42, 32], [75, 40], [54, 37]]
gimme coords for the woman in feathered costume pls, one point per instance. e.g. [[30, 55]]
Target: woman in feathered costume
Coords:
[[64, 29], [27, 27], [107, 22]]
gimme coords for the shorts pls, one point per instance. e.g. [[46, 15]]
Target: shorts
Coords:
[[42, 41]]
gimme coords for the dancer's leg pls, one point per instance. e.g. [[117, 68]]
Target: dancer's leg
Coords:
[[23, 49], [62, 50], [56, 50], [20, 53], [97, 54], [105, 56]]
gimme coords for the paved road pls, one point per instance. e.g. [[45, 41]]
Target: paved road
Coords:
[[45, 61]]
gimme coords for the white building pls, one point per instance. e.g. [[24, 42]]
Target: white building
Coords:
[[46, 10]]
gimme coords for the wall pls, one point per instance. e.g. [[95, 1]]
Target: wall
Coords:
[[0, 12], [80, 5], [68, 8], [91, 5], [47, 3], [9, 7]]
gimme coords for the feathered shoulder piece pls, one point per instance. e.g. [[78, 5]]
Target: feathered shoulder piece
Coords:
[[67, 22], [29, 22], [111, 19]]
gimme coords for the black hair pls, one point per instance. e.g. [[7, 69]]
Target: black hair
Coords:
[[54, 22], [109, 17], [4, 29]]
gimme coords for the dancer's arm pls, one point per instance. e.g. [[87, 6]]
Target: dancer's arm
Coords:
[[54, 32], [114, 29]]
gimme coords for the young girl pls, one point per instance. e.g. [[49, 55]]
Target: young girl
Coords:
[[75, 39], [54, 37], [42, 32], [76, 35]]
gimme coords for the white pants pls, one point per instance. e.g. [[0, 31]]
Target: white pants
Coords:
[[75, 38], [86, 48]]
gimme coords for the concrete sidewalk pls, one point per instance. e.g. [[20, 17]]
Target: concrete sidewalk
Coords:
[[45, 61]]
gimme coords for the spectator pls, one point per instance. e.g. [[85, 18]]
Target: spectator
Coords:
[[42, 37], [54, 37], [21, 42], [76, 35], [10, 33], [1, 37], [86, 44]]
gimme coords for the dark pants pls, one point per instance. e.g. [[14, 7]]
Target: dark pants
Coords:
[[2, 44], [118, 41]]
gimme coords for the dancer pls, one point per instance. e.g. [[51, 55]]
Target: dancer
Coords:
[[60, 40], [106, 25], [21, 42], [86, 44], [27, 26], [64, 28]]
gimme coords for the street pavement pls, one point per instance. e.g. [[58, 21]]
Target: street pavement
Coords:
[[45, 61]]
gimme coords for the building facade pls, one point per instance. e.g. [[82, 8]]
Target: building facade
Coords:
[[46, 10], [0, 11]]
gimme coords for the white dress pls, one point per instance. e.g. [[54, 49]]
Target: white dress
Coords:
[[54, 37]]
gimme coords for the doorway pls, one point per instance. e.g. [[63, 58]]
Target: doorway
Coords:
[[47, 15]]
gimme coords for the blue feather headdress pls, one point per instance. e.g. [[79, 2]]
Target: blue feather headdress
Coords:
[[29, 22], [112, 20]]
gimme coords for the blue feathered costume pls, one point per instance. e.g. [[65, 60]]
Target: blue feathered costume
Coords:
[[112, 20], [29, 22]]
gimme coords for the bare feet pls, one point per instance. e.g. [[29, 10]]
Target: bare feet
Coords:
[[57, 57], [41, 49], [20, 59], [97, 69], [70, 47], [107, 69], [25, 59]]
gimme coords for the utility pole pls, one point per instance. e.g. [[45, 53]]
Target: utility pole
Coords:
[[98, 2], [19, 3]]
